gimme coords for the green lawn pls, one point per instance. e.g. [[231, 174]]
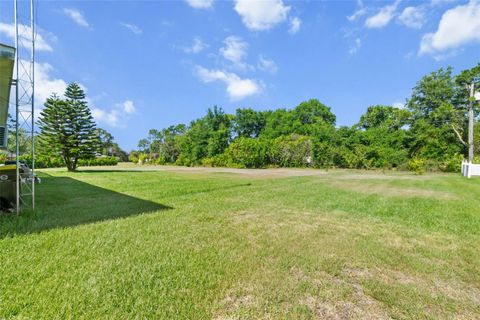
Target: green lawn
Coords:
[[276, 244]]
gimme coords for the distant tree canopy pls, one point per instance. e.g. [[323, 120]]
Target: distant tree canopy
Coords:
[[430, 130], [108, 146]]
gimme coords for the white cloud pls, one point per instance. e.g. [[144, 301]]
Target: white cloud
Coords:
[[383, 17], [116, 116], [235, 50], [398, 105], [237, 88], [77, 17], [294, 25], [197, 46], [267, 65], [412, 17], [134, 28], [25, 32], [261, 15], [46, 84], [111, 117], [129, 107], [200, 4], [357, 44], [359, 12], [458, 26]]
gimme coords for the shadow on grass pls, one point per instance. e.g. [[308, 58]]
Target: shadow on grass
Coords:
[[66, 202]]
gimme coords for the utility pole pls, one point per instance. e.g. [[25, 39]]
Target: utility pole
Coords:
[[470, 122]]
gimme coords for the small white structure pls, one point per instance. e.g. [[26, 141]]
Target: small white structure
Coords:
[[469, 169]]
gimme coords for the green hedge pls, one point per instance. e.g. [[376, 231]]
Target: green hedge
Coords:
[[56, 162], [106, 161]]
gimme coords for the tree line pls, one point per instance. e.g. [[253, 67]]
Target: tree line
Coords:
[[428, 133]]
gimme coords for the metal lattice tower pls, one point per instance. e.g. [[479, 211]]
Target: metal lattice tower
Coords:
[[24, 74]]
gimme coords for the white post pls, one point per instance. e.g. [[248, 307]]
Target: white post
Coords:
[[470, 122]]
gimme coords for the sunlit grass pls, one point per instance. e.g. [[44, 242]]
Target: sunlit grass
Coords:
[[201, 245]]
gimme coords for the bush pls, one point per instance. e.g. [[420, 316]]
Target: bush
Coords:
[[160, 160], [183, 160], [43, 161], [102, 161], [452, 163], [291, 151], [142, 158], [3, 158], [46, 161], [417, 165], [246, 153], [133, 156]]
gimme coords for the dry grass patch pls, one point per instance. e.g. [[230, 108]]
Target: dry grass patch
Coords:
[[384, 189]]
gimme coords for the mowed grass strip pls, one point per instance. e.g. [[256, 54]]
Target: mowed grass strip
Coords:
[[203, 245]]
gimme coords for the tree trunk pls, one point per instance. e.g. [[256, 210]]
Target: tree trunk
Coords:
[[71, 166], [74, 166]]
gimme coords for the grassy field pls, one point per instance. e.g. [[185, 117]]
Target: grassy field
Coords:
[[177, 243]]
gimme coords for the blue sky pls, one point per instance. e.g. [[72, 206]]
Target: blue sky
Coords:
[[150, 64]]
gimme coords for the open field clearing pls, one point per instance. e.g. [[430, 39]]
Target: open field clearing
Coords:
[[206, 243]]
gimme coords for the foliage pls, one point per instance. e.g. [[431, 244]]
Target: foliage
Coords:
[[431, 129], [133, 156], [247, 153], [44, 161], [291, 151], [417, 165], [108, 147], [3, 158], [67, 127], [249, 123], [100, 161]]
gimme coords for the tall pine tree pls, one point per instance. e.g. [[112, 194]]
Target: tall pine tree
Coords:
[[67, 127]]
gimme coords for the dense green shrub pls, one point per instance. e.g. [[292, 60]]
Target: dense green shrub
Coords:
[[133, 156], [44, 161], [417, 165], [183, 160], [291, 151], [247, 152], [452, 163], [100, 161], [3, 158], [142, 158]]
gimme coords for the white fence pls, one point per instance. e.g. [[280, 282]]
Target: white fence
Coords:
[[469, 169]]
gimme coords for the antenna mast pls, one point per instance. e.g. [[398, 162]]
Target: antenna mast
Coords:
[[25, 34]]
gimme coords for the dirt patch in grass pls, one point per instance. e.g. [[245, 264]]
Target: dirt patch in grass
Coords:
[[345, 299], [453, 289], [234, 302]]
